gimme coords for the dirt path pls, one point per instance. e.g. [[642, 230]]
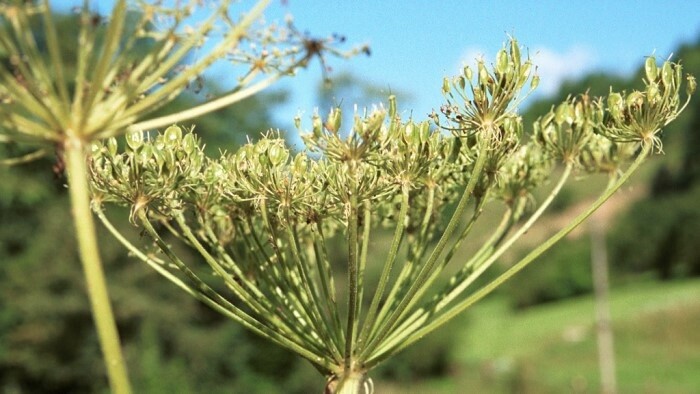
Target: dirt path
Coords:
[[616, 205]]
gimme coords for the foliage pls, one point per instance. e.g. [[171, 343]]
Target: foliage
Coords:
[[660, 235], [564, 272]]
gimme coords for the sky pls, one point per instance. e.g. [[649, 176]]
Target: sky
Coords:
[[415, 44]]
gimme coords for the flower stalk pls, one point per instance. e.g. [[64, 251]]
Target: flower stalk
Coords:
[[96, 285]]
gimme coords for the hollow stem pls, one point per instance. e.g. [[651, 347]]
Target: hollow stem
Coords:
[[76, 168], [355, 382]]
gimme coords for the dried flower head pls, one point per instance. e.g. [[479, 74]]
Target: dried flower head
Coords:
[[639, 116], [140, 59]]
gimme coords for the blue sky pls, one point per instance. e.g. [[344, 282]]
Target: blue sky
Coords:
[[416, 43]]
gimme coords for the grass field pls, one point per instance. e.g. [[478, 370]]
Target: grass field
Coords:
[[552, 348]]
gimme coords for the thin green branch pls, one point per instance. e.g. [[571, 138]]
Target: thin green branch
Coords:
[[214, 300], [31, 65], [478, 209], [459, 283], [450, 253], [505, 246], [39, 153], [426, 270], [327, 281], [172, 59], [153, 262], [250, 299], [230, 263], [506, 224], [414, 257], [106, 58], [317, 303], [86, 43], [51, 35], [366, 231], [481, 293], [205, 108], [260, 306], [386, 270], [300, 303], [232, 39], [30, 100]]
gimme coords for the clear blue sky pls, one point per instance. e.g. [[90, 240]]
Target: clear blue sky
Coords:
[[416, 43]]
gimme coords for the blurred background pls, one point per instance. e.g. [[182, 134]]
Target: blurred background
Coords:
[[535, 334]]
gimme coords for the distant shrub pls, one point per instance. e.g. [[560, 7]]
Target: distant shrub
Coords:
[[431, 357], [563, 272], [566, 198], [659, 235]]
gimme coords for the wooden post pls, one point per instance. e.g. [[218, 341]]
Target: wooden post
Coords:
[[604, 334]]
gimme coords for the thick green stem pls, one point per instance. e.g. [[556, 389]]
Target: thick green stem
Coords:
[[355, 382], [76, 168]]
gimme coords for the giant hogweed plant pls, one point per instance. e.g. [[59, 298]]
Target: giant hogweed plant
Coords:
[[262, 218], [128, 65]]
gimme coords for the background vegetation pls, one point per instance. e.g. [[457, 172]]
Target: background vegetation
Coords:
[[535, 335]]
